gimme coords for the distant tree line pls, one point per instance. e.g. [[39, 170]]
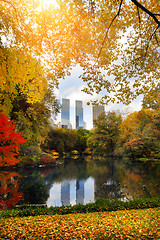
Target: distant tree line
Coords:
[[65, 141], [137, 136]]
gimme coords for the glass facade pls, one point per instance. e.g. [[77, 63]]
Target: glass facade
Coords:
[[65, 113], [79, 114]]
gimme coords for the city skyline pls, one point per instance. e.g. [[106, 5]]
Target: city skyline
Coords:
[[79, 116], [71, 88]]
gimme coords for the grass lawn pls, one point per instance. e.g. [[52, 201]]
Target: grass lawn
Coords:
[[122, 224]]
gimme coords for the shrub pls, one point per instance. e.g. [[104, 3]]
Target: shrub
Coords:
[[30, 150], [101, 205], [10, 142], [47, 160]]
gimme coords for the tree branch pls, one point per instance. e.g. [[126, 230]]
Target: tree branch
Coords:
[[139, 18], [8, 2], [147, 11], [156, 39], [106, 35], [5, 1], [150, 40]]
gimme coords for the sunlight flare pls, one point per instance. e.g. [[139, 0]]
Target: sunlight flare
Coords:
[[47, 3]]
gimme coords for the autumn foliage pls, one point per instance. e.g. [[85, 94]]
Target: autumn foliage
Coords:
[[140, 135], [9, 194], [10, 142], [113, 225], [47, 159]]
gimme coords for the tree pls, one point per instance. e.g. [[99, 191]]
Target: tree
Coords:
[[61, 140], [10, 142], [83, 135], [140, 135], [59, 36], [105, 135], [19, 73], [128, 51], [152, 99], [32, 119], [69, 139]]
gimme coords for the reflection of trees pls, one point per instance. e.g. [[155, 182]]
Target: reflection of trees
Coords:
[[107, 185], [34, 189], [9, 186], [113, 180], [141, 180], [36, 185], [73, 169], [131, 184], [110, 190]]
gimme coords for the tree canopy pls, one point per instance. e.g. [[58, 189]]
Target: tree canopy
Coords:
[[140, 135], [106, 133], [20, 72], [10, 142], [116, 42]]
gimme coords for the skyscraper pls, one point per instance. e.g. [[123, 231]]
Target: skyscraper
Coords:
[[79, 114], [65, 113], [96, 111]]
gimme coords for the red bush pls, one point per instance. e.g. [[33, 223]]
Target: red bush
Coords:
[[47, 159], [10, 142]]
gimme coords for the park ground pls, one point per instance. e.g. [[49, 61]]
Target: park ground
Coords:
[[122, 224]]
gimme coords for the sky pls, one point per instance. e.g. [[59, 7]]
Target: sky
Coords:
[[71, 87]]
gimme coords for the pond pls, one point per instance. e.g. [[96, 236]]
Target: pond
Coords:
[[77, 181]]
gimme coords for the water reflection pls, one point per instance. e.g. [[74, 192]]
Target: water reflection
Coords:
[[9, 189], [70, 192], [77, 182]]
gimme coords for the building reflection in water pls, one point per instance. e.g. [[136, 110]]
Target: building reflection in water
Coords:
[[65, 192], [80, 191], [70, 192]]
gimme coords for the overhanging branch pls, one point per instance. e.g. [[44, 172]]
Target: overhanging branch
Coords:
[[150, 40], [106, 35], [5, 1], [147, 11]]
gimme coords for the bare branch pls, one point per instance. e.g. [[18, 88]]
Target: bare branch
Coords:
[[139, 18], [150, 40], [156, 40], [106, 35], [147, 11], [143, 56]]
